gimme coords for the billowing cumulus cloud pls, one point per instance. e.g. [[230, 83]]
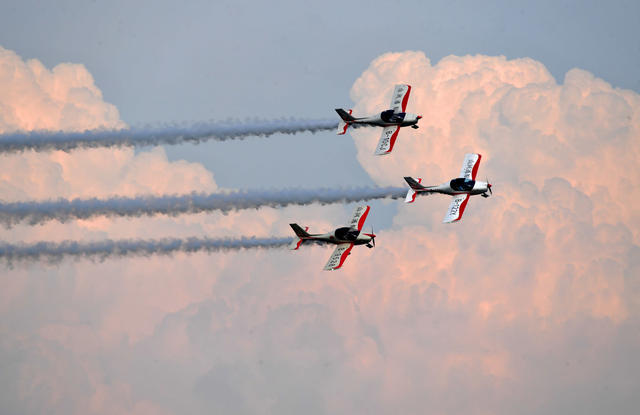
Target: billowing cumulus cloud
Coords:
[[33, 97], [528, 305], [527, 126]]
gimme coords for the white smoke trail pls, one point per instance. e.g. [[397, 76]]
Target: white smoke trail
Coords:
[[64, 210], [172, 134], [52, 252]]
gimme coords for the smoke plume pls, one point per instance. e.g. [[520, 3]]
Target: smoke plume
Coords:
[[172, 134], [54, 252], [63, 209]]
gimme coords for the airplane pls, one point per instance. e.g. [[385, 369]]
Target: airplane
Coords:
[[345, 237], [391, 120], [460, 188]]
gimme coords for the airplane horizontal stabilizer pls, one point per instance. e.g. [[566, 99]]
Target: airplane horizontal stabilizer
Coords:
[[302, 233], [344, 123], [411, 194], [415, 185], [346, 116]]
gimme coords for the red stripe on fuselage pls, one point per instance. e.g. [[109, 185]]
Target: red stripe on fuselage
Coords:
[[363, 218], [475, 168], [344, 256], [392, 140], [406, 99]]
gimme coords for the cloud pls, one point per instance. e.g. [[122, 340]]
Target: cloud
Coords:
[[528, 305], [64, 98], [528, 127]]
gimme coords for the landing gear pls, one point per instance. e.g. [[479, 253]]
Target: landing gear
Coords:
[[484, 195], [369, 246], [415, 127]]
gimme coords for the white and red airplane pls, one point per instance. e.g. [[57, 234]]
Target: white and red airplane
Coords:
[[460, 188], [345, 237], [391, 120]]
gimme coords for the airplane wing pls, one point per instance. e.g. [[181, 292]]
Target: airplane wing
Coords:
[[400, 98], [456, 208], [338, 256], [387, 140], [359, 216], [470, 166]]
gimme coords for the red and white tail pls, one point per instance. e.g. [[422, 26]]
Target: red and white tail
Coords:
[[301, 234], [345, 118], [411, 194]]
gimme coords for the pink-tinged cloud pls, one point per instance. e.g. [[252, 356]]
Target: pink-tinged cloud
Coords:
[[33, 97], [528, 305], [528, 127]]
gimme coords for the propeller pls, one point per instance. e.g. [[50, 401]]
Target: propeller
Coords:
[[373, 238], [489, 186]]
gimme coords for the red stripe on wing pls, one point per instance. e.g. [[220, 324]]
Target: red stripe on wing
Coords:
[[406, 99], [392, 140], [344, 256], [475, 168], [363, 218], [463, 205]]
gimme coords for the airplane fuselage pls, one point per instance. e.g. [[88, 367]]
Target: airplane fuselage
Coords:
[[388, 118], [459, 186], [342, 236]]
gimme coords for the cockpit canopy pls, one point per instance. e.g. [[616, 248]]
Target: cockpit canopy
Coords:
[[390, 116], [347, 234], [462, 185]]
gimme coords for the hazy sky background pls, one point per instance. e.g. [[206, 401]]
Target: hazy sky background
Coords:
[[199, 60], [531, 304]]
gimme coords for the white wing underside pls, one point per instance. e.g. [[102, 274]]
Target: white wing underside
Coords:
[[387, 140], [359, 216], [470, 166], [338, 256], [400, 98], [456, 208]]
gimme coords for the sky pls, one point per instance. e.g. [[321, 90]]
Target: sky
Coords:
[[529, 305]]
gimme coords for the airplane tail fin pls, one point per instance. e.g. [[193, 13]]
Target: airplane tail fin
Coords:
[[413, 186], [345, 121], [301, 235]]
